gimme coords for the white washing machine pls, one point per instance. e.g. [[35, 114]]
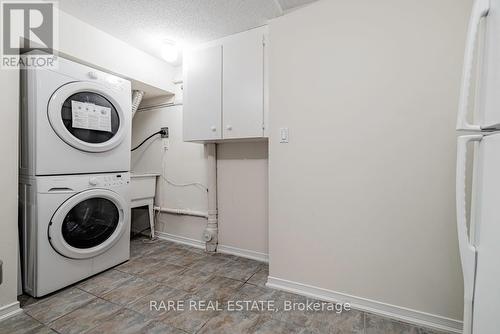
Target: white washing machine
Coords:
[[72, 227], [74, 120]]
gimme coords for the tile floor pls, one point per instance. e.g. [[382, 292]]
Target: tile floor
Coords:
[[118, 300]]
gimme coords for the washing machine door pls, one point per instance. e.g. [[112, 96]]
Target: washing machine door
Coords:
[[88, 223], [86, 116]]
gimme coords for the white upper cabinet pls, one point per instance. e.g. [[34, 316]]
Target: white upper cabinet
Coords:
[[202, 94], [224, 89], [242, 82]]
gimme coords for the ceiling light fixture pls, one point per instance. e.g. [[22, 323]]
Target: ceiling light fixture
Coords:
[[169, 51]]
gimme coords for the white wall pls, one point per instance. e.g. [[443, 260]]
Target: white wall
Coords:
[[9, 87], [242, 186], [241, 180], [87, 44], [362, 197], [182, 163]]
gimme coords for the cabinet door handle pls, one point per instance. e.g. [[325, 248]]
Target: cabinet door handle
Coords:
[[213, 128], [229, 127]]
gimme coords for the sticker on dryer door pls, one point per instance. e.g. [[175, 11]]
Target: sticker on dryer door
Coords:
[[90, 116]]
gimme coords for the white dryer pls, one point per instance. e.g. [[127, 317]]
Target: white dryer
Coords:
[[72, 227], [74, 120]]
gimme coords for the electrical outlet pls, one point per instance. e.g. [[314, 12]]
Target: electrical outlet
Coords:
[[166, 132]]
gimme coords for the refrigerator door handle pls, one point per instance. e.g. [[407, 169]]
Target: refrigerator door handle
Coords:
[[467, 249], [479, 10]]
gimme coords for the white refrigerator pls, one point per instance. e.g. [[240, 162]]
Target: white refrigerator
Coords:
[[479, 228]]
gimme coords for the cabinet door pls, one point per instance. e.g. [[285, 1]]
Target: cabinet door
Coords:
[[203, 94], [243, 85]]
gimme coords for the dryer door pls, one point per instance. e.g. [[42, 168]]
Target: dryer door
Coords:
[[87, 117], [88, 224]]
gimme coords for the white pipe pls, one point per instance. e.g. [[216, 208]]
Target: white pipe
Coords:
[[182, 212], [210, 235], [137, 96]]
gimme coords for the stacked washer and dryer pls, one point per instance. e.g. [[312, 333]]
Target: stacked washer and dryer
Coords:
[[74, 175]]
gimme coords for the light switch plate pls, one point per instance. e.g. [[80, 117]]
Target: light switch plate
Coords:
[[283, 135]]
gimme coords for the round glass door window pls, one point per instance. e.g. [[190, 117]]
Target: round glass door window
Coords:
[[90, 117], [90, 223]]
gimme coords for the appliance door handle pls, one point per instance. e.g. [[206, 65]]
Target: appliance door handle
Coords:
[[467, 249], [60, 190], [479, 10]]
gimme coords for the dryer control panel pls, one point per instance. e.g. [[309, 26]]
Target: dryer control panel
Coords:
[[109, 180], [76, 183]]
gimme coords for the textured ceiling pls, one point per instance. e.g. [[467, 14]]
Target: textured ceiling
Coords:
[[146, 23]]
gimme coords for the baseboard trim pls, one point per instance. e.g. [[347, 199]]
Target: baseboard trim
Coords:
[[180, 240], [249, 254], [9, 310], [246, 253], [391, 311]]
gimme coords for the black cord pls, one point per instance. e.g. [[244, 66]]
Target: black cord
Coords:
[[161, 132]]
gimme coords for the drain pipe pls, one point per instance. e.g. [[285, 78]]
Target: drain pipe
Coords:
[[210, 235], [137, 96], [182, 212]]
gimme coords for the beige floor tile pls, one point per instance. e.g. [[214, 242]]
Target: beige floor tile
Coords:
[[219, 288], [260, 277], [138, 265], [45, 330], [130, 291], [209, 264], [381, 325], [154, 304], [348, 322], [123, 322], [190, 280], [47, 310], [20, 324], [239, 270], [86, 317], [183, 258], [230, 323], [156, 327], [189, 320], [273, 326], [265, 297], [162, 272], [105, 282], [377, 325]]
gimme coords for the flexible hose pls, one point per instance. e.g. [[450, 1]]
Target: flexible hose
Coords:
[[137, 96]]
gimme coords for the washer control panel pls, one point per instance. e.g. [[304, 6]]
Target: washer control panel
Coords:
[[108, 180]]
